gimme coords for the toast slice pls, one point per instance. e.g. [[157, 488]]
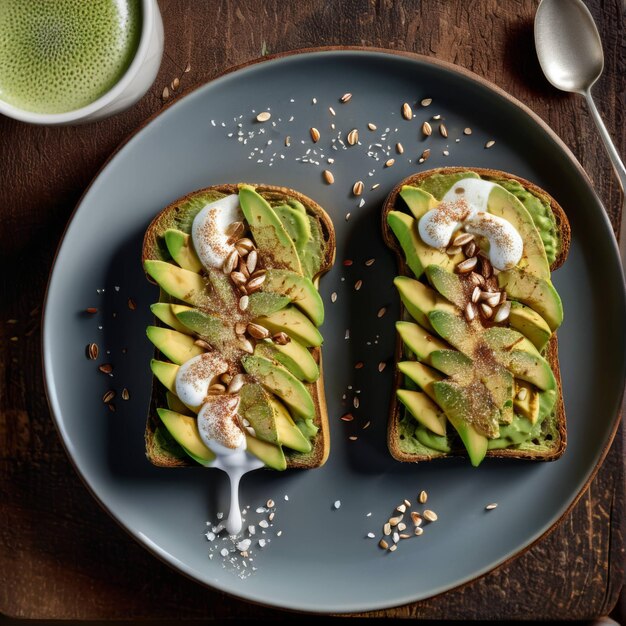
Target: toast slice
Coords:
[[162, 448], [405, 437]]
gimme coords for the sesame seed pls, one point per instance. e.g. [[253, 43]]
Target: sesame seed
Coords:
[[264, 116], [492, 506], [423, 497], [426, 102], [337, 504], [490, 144]]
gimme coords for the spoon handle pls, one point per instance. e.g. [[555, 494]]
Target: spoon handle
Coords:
[[618, 166]]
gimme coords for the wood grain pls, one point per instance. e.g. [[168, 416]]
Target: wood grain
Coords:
[[61, 556]]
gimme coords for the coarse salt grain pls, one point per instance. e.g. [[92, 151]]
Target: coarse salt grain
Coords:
[[337, 504]]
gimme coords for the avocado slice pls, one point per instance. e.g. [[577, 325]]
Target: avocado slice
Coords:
[[452, 363], [209, 327], [422, 375], [163, 311], [430, 440], [515, 433], [419, 341], [181, 249], [416, 253], [419, 300], [269, 234], [271, 454], [299, 289], [418, 200], [256, 408], [178, 282], [456, 406], [281, 382], [530, 324], [165, 373], [448, 284], [222, 289], [262, 303], [296, 224], [293, 355], [174, 403], [455, 329], [507, 339], [184, 429], [530, 367], [177, 347], [424, 410], [538, 293], [291, 321], [289, 434]]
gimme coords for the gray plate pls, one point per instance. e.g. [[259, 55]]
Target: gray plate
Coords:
[[323, 560]]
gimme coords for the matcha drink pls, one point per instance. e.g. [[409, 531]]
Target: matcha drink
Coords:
[[60, 55]]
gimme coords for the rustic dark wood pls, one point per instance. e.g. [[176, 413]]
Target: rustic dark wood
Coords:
[[61, 556]]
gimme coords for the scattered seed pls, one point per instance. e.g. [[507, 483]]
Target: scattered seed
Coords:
[[345, 98], [371, 535], [353, 137], [331, 111], [370, 262], [175, 84], [372, 126], [359, 365], [416, 518], [132, 305], [111, 407], [407, 111], [404, 536], [401, 508], [383, 544], [246, 345], [467, 131], [257, 331], [108, 396], [230, 263], [357, 188], [92, 351], [462, 238], [328, 177], [393, 548], [217, 389], [426, 102], [490, 144], [105, 368], [423, 497], [245, 244], [366, 425], [470, 249], [425, 154], [430, 516], [399, 148], [166, 93], [389, 162], [244, 302], [337, 504], [381, 366], [356, 402], [333, 296], [381, 312], [394, 521], [452, 250], [470, 312], [348, 417], [315, 134], [187, 68], [287, 141], [282, 338], [240, 328], [418, 530], [476, 294], [125, 394], [348, 262], [522, 393], [353, 438], [492, 506], [437, 117], [264, 116], [443, 130], [358, 284], [466, 266], [255, 283], [427, 129], [485, 310], [477, 279], [91, 310]]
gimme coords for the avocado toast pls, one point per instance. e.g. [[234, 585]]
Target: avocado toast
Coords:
[[477, 369], [238, 363]]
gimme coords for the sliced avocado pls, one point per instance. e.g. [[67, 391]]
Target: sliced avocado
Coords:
[[165, 373], [506, 205], [452, 363], [455, 329], [222, 289], [422, 375], [420, 299], [430, 440], [262, 303], [530, 324], [291, 321], [296, 205], [307, 428], [529, 406], [530, 367], [255, 406], [507, 339], [181, 249], [296, 224], [289, 434], [315, 251], [299, 289], [177, 347], [211, 328], [416, 253], [271, 454], [419, 341], [438, 184], [283, 383], [539, 294], [448, 284], [163, 311], [456, 406], [174, 403], [184, 429], [418, 200], [293, 355], [515, 433], [424, 410], [178, 282], [270, 236]]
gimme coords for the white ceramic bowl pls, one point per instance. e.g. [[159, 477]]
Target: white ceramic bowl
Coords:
[[133, 85]]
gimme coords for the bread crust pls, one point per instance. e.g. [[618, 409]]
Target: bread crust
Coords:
[[150, 250], [551, 353]]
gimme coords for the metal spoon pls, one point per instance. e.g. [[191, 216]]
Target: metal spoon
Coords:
[[570, 54]]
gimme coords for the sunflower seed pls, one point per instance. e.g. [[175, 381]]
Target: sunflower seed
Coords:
[[437, 117], [492, 506], [522, 393], [202, 344], [466, 266], [470, 312], [401, 508], [230, 263], [381, 312], [490, 143], [467, 131], [425, 155], [353, 137], [257, 331], [493, 300], [443, 130], [416, 518], [244, 302], [234, 231], [462, 238], [245, 244], [246, 345], [387, 529], [358, 285], [239, 278], [426, 102], [476, 294], [251, 261], [166, 93], [92, 351], [111, 407], [243, 268], [348, 417], [125, 394], [345, 98], [287, 141], [255, 283], [105, 368], [399, 148], [226, 379], [357, 188], [356, 402], [359, 365], [263, 116], [486, 311], [395, 537], [423, 497], [372, 126], [381, 366], [452, 250], [282, 339], [427, 129], [407, 111], [240, 328], [401, 527], [132, 305], [91, 310], [418, 530], [370, 262], [477, 279], [236, 383], [470, 249], [108, 396], [393, 548], [328, 177], [353, 438], [389, 162], [315, 134], [333, 296], [486, 269], [217, 388], [383, 544], [430, 516], [394, 521]]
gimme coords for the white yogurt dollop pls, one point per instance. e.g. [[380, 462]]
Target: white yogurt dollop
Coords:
[[195, 376], [465, 204], [208, 231]]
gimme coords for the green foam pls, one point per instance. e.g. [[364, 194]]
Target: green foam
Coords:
[[61, 55]]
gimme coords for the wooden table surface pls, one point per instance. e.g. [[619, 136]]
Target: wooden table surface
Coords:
[[61, 556]]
